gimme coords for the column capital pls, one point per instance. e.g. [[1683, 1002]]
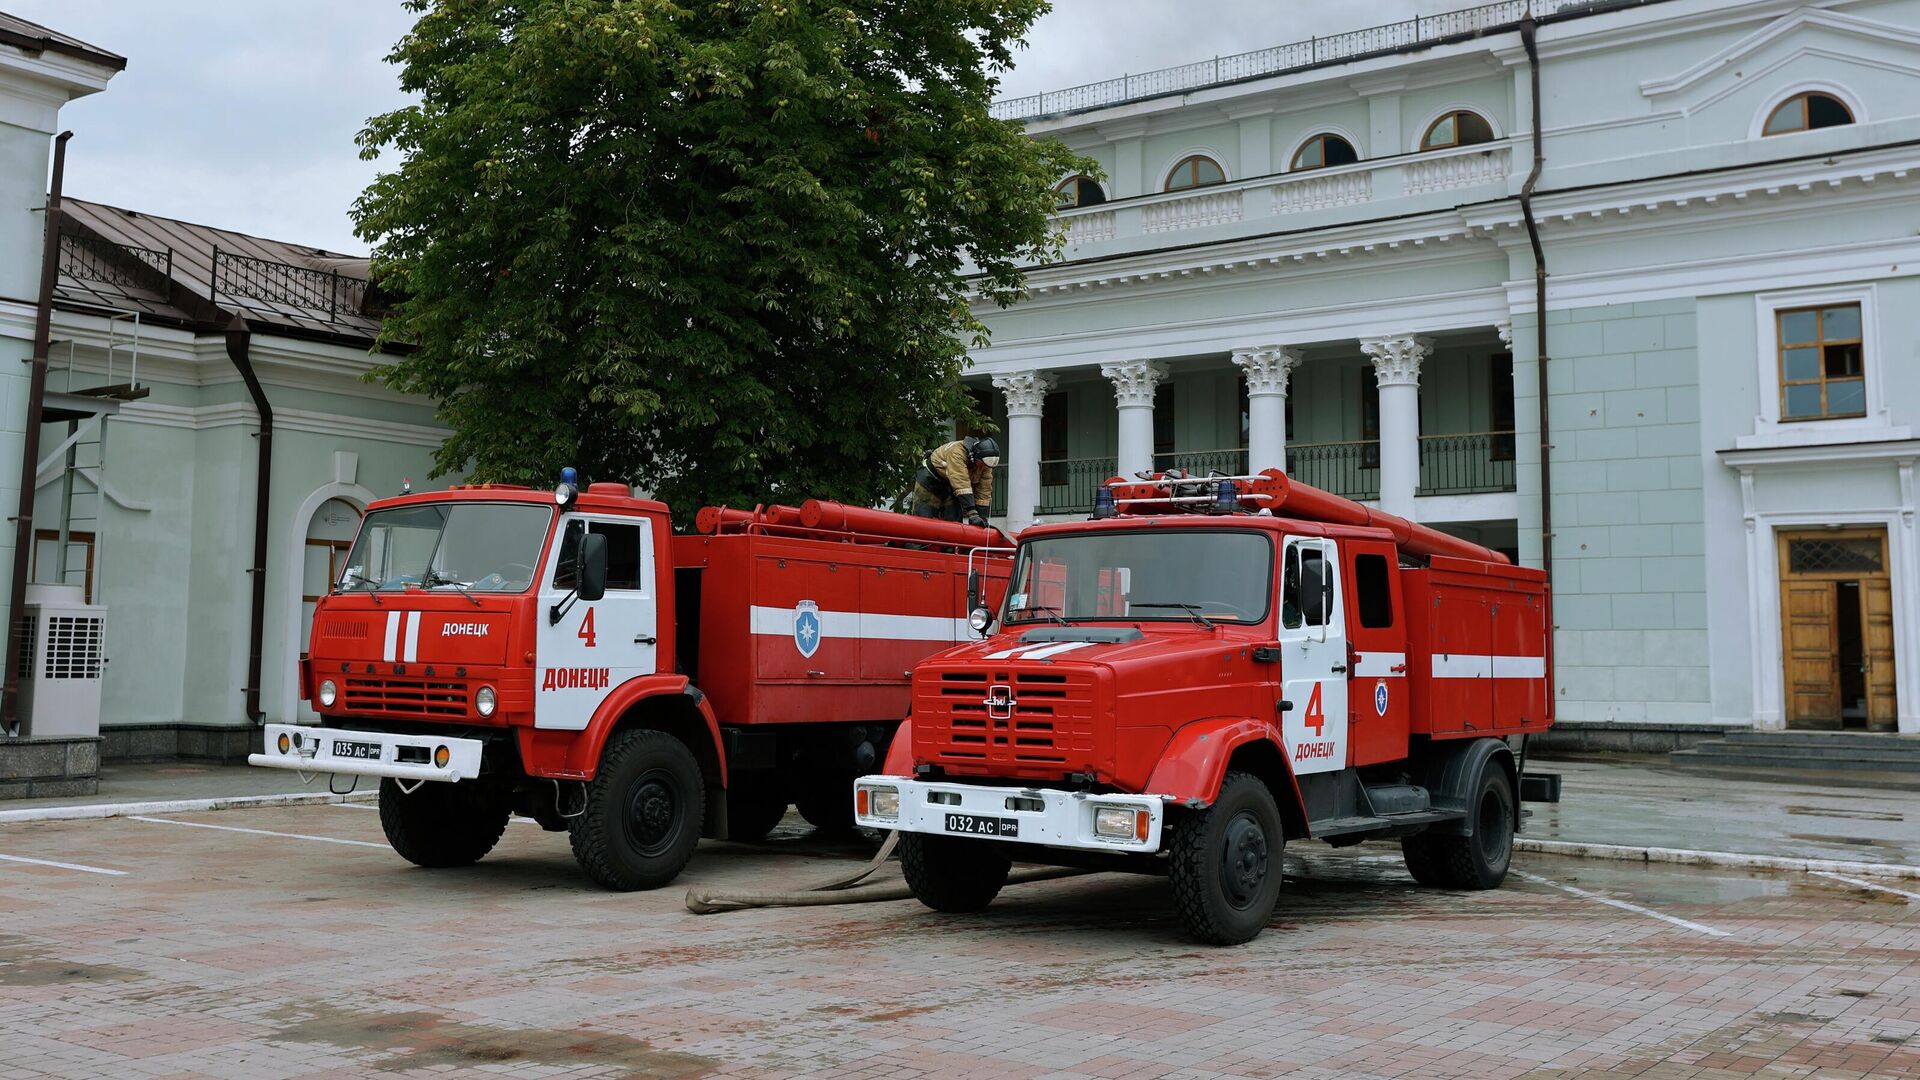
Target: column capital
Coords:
[[1134, 381], [1396, 360], [1026, 391], [1268, 367], [1505, 330]]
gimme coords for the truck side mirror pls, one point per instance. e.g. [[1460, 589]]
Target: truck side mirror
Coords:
[[1315, 591], [973, 589], [590, 567]]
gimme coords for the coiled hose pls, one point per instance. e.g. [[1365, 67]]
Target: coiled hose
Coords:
[[842, 890]]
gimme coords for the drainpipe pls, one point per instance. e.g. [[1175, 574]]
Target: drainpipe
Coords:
[[30, 438], [1528, 29], [239, 338]]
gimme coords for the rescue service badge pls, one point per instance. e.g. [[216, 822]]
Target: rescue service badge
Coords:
[[1380, 698], [806, 627]]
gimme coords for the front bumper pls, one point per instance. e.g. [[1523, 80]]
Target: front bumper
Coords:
[[402, 757], [1063, 819]]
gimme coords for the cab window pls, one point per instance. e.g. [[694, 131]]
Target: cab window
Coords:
[[1303, 563], [624, 569]]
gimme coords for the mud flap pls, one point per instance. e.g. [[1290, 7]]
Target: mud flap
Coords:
[[1540, 787]]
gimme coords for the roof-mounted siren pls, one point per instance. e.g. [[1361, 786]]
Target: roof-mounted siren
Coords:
[[568, 489]]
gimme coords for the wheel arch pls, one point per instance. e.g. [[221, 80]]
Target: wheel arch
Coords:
[[1453, 771], [1198, 756]]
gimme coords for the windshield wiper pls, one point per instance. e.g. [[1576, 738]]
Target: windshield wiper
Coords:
[[371, 586], [1052, 612], [434, 578], [1192, 610]]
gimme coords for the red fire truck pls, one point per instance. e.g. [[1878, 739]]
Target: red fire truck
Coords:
[[1209, 669], [492, 650]]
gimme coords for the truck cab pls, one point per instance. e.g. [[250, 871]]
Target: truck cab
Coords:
[[1195, 677]]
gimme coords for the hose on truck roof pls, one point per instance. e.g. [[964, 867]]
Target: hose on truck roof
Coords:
[[842, 890]]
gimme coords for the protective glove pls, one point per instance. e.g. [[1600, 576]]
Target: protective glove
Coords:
[[974, 517]]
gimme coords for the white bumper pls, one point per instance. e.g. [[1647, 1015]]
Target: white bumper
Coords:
[[1061, 819], [403, 757]]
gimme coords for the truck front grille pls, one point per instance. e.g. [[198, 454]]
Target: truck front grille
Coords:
[[404, 697], [1007, 722]]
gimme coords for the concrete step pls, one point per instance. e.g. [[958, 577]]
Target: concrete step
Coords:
[[1810, 754], [1823, 778], [1826, 739], [1723, 755]]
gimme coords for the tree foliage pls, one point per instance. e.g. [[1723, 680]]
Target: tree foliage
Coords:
[[721, 249]]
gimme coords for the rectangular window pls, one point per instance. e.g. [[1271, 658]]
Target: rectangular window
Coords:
[[1295, 608], [1373, 591], [1500, 409], [1053, 440], [1369, 418], [1822, 367], [1163, 401], [624, 569]]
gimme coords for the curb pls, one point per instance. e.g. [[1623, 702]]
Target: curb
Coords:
[[178, 806], [1733, 860]]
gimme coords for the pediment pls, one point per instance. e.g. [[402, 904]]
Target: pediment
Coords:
[[1804, 32]]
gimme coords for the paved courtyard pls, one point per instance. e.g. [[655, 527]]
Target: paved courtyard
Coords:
[[290, 942]]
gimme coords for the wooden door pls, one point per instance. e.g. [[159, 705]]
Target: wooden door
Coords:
[[1814, 565], [1813, 671], [1881, 712]]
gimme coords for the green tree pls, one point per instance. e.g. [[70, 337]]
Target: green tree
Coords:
[[716, 248]]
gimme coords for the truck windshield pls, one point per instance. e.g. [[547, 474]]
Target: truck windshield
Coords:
[[472, 547], [1198, 575]]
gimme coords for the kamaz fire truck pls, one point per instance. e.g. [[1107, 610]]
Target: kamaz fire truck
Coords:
[[492, 650], [1209, 669]]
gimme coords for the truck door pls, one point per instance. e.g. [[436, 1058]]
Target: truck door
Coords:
[[594, 646], [1313, 656]]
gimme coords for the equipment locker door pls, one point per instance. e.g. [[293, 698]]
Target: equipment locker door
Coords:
[[596, 645], [1313, 657]]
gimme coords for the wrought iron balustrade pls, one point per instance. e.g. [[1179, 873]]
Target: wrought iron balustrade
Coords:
[[1468, 464], [1349, 469], [1204, 462], [85, 257], [1280, 59], [250, 282]]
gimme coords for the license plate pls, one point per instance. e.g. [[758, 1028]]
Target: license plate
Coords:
[[356, 751], [974, 825]]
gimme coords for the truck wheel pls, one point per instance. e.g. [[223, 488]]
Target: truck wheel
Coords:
[[827, 804], [442, 824], [1224, 862], [643, 812], [953, 874], [1469, 862], [752, 815]]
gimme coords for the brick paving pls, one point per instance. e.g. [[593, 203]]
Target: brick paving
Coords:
[[248, 956]]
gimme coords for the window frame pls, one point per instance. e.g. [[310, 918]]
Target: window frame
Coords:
[[1821, 379], [1293, 160], [1426, 133], [1077, 204], [1770, 429], [1188, 159], [1800, 97]]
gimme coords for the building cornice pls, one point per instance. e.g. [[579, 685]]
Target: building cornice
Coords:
[[242, 414]]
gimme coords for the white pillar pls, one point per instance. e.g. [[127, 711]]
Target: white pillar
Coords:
[[1268, 370], [1026, 393], [1396, 364], [1134, 383]]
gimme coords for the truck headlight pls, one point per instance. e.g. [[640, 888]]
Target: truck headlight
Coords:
[[980, 619], [329, 693], [879, 802], [1120, 823], [485, 701]]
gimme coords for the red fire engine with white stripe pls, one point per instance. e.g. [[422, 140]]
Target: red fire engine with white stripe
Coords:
[[1209, 669], [492, 650]]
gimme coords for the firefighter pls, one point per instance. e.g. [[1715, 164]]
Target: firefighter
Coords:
[[955, 481]]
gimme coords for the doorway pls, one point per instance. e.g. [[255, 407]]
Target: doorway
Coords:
[[1837, 604]]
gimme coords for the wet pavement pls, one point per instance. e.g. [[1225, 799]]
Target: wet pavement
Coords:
[[1641, 802], [290, 942]]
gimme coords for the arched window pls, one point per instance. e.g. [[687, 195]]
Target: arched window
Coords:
[[1458, 128], [1324, 150], [1198, 170], [1077, 191], [1805, 112]]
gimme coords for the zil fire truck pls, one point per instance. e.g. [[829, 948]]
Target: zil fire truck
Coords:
[[492, 650], [1207, 670]]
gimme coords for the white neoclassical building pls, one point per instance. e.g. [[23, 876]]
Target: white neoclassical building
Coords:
[[1318, 256]]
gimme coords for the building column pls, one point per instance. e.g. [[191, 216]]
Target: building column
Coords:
[[1134, 383], [1026, 393], [1268, 371], [1396, 366]]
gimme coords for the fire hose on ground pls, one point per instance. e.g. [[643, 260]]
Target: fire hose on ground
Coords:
[[842, 890]]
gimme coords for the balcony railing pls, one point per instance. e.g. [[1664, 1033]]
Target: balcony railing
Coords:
[[1280, 59], [1350, 469], [1469, 464], [247, 282], [1204, 462], [85, 257]]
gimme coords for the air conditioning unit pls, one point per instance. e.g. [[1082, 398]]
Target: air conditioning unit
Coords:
[[62, 659]]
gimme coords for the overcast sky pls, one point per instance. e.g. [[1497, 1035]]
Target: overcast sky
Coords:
[[242, 113]]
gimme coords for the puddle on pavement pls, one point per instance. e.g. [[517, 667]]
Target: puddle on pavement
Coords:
[[407, 1041], [1847, 813], [1846, 841], [21, 964]]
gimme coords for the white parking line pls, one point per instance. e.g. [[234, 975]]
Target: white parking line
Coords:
[[1624, 906], [256, 832], [63, 865], [1915, 896]]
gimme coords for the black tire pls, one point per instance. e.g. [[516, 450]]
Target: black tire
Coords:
[[643, 814], [1479, 861], [1224, 862], [442, 824], [827, 804], [753, 813], [953, 874]]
